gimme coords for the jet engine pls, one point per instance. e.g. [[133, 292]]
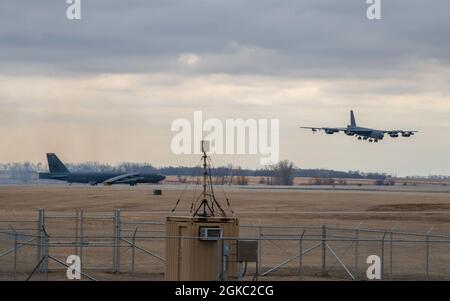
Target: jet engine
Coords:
[[407, 134], [349, 133]]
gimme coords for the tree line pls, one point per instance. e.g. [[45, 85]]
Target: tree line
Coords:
[[281, 173]]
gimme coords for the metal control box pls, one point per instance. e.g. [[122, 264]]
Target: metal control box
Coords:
[[247, 250]]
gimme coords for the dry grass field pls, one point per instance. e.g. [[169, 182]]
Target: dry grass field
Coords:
[[415, 210], [409, 211]]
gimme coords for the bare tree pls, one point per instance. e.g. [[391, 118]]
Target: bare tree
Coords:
[[181, 179], [242, 180], [283, 173]]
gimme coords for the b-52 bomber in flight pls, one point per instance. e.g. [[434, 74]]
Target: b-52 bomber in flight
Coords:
[[361, 133]]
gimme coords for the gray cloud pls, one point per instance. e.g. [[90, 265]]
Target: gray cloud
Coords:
[[131, 67], [317, 37]]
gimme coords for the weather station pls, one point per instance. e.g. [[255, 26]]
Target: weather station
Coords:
[[203, 245]]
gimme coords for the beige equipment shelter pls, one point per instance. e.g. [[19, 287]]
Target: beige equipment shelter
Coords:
[[197, 250]]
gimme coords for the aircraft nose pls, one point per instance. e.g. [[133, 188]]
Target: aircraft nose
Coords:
[[161, 177]]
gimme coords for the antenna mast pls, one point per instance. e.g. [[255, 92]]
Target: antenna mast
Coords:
[[208, 206]]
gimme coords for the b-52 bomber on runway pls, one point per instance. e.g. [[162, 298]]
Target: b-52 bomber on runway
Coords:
[[58, 171], [372, 135]]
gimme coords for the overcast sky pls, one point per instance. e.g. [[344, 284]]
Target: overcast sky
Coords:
[[107, 87]]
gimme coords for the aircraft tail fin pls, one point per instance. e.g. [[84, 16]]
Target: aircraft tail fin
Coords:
[[352, 119], [55, 165]]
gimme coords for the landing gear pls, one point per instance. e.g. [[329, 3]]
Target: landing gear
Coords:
[[376, 140]]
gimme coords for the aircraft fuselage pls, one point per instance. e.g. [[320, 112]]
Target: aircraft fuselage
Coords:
[[100, 177], [365, 132]]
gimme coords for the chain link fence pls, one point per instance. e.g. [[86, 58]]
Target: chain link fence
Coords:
[[129, 246]]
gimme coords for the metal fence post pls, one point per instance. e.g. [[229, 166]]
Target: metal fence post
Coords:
[[324, 251], [77, 237], [356, 252], [391, 254], [117, 231], [300, 256], [47, 253], [257, 266], [382, 256], [81, 233], [15, 255], [133, 248], [46, 242], [258, 261], [40, 242], [427, 255]]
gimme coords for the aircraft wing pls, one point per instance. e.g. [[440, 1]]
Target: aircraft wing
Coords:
[[327, 130], [404, 133], [123, 179]]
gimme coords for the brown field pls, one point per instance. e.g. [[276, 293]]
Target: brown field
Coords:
[[400, 210], [381, 209]]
